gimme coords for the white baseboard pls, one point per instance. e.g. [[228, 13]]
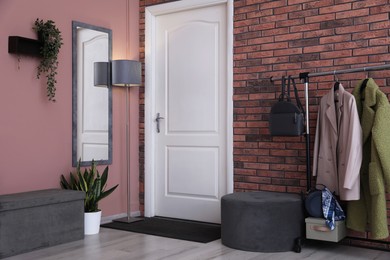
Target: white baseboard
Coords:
[[108, 219]]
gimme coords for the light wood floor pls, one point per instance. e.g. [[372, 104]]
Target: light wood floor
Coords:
[[114, 244]]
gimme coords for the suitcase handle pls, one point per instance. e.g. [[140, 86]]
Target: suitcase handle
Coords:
[[320, 228]]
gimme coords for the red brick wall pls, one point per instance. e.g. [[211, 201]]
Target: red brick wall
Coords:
[[276, 38], [286, 37]]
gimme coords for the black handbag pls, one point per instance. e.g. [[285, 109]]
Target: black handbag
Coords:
[[287, 118], [313, 203]]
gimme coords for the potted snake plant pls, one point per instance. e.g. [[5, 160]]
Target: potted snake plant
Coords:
[[94, 186]]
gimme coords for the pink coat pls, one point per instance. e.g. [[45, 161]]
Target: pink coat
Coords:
[[338, 145]]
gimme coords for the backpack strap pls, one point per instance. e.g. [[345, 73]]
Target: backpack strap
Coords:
[[288, 89], [299, 104], [283, 94]]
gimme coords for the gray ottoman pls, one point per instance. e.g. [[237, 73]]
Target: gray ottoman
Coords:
[[38, 219], [262, 221]]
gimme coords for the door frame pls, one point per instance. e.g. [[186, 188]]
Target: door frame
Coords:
[[151, 13]]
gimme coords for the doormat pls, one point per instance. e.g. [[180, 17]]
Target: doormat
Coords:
[[172, 228]]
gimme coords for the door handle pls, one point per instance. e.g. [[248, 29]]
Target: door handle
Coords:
[[158, 118]]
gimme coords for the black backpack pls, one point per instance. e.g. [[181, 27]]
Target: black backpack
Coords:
[[287, 118]]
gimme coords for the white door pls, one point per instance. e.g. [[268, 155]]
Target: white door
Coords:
[[192, 93]]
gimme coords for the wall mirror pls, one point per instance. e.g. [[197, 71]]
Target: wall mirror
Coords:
[[91, 106]]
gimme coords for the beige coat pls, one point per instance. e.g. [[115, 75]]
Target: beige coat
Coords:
[[338, 145]]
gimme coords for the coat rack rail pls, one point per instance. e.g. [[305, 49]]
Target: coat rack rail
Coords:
[[334, 72]]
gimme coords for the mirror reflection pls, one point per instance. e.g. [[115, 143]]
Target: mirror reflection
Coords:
[[92, 106]]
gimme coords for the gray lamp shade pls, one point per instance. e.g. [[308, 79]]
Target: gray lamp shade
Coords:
[[126, 73], [101, 74]]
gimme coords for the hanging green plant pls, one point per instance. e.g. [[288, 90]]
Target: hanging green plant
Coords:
[[50, 37]]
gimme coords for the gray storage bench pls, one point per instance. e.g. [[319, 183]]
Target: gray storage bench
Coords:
[[262, 221], [38, 219]]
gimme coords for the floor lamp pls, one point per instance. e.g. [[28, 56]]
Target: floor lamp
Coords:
[[123, 73]]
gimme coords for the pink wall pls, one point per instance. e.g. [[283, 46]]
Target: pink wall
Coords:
[[35, 134]]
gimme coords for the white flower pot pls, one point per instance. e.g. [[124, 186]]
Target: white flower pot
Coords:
[[92, 222]]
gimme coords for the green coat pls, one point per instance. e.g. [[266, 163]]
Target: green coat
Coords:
[[374, 113]]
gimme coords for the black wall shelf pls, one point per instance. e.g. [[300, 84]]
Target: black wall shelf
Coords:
[[24, 46]]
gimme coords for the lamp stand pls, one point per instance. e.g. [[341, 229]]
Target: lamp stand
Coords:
[[128, 219]]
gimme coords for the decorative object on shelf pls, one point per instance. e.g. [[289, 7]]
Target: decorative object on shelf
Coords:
[[50, 37], [94, 186], [122, 73]]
